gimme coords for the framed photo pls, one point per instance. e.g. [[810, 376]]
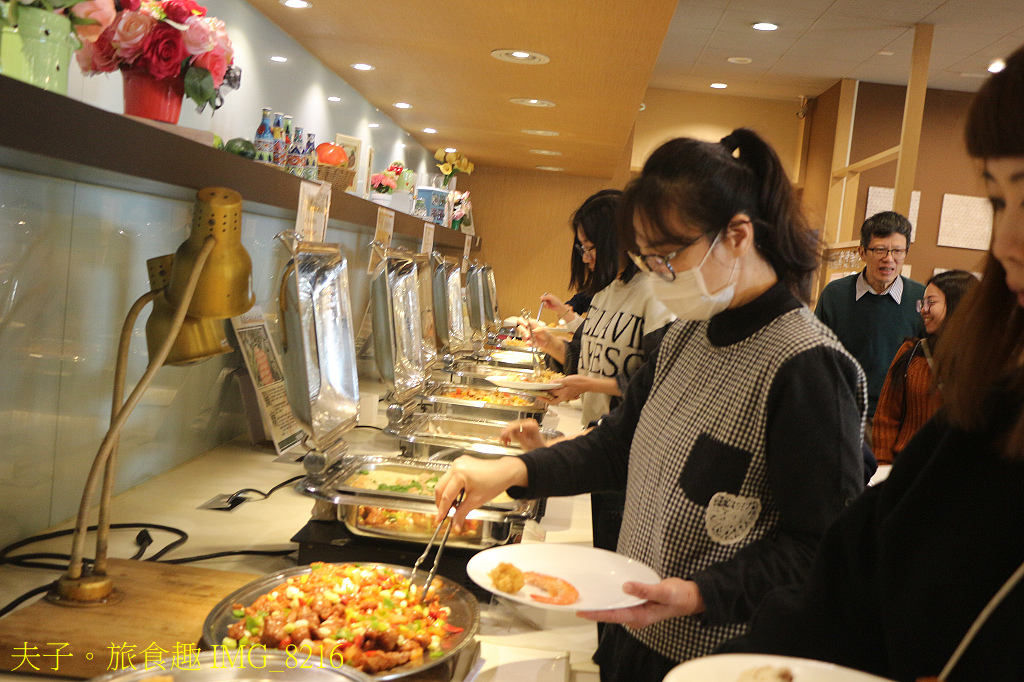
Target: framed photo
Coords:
[[369, 171], [354, 148]]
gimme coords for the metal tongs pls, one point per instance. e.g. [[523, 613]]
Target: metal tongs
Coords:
[[440, 548]]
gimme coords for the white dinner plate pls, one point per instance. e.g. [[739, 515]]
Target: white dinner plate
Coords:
[[597, 574], [504, 382], [729, 667]]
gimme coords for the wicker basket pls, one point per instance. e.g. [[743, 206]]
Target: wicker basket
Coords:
[[340, 178]]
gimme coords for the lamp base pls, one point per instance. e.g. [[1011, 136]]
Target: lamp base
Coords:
[[89, 590]]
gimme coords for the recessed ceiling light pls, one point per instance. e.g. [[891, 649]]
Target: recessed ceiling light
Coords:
[[450, 150], [764, 26], [544, 133], [520, 57], [550, 168], [545, 152], [429, 131], [401, 145], [719, 86], [296, 4], [279, 59], [526, 102], [996, 66], [886, 53], [362, 67], [373, 125], [332, 98], [739, 60], [403, 105], [643, 105]]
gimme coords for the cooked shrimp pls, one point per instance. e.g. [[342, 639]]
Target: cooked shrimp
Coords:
[[558, 591]]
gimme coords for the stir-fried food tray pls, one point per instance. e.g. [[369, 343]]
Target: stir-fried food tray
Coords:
[[366, 613], [425, 432]]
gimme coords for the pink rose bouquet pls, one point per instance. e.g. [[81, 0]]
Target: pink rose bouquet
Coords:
[[168, 39], [383, 183]]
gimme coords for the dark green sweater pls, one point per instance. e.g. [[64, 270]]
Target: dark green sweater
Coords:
[[872, 328]]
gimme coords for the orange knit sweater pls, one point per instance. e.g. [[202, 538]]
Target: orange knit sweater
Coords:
[[898, 418]]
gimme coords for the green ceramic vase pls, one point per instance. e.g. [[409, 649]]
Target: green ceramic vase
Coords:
[[38, 50]]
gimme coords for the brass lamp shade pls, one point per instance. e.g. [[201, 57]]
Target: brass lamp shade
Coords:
[[225, 285], [200, 338]]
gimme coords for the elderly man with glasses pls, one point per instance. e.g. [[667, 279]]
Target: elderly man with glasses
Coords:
[[874, 311]]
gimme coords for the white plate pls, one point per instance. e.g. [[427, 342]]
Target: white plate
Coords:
[[729, 667], [505, 382], [597, 574]]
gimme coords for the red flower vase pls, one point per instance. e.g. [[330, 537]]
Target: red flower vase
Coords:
[[145, 96]]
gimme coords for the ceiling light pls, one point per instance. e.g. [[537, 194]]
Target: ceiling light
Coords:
[[545, 152], [764, 26], [296, 4], [643, 105], [550, 168], [450, 150], [429, 131], [403, 105], [362, 67], [996, 66], [373, 125], [886, 53], [545, 133], [526, 102], [719, 86], [739, 60], [279, 59], [520, 57], [332, 98], [401, 145]]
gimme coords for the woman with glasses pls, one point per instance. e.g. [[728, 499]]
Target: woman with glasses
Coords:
[[909, 398], [623, 325], [739, 441], [921, 575]]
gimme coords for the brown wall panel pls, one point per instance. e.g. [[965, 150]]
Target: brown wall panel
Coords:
[[823, 115], [522, 218]]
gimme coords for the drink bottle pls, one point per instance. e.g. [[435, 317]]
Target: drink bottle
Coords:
[[264, 141], [280, 146], [312, 164], [297, 155]]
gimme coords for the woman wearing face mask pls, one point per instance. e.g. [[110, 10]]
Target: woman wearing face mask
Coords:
[[922, 575], [908, 398], [739, 441]]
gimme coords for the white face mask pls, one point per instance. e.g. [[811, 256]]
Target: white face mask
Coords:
[[687, 296]]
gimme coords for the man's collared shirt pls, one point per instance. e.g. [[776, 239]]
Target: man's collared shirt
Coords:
[[895, 289]]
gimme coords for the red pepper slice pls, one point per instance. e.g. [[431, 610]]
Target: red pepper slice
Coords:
[[285, 643], [451, 629]]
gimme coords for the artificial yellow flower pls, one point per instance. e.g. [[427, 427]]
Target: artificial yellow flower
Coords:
[[451, 157], [439, 155], [461, 164], [446, 168]]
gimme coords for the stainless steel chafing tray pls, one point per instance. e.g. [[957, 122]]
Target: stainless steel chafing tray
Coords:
[[482, 299], [318, 347], [451, 399], [450, 317], [400, 350], [424, 434]]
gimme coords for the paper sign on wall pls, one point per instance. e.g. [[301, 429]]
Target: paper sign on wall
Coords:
[[880, 199], [965, 222], [264, 365]]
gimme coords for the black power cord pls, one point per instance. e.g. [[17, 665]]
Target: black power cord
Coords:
[[235, 495]]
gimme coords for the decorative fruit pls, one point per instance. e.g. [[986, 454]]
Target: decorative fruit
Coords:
[[242, 147], [331, 154], [217, 142]]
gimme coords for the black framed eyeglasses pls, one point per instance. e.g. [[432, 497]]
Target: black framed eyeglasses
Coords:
[[926, 304], [882, 252], [583, 251], [656, 264]]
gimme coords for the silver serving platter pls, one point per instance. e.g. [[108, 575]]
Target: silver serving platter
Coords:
[[444, 431], [439, 402], [465, 614], [224, 666], [487, 533], [318, 349]]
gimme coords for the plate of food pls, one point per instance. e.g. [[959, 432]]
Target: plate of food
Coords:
[[559, 577], [544, 380], [764, 668], [354, 611]]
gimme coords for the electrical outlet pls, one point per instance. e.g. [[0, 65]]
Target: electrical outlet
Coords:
[[222, 503]]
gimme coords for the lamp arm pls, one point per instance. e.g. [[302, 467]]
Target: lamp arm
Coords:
[[109, 472], [78, 544]]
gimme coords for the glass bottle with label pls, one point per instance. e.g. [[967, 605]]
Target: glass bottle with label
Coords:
[[297, 155], [312, 164], [280, 146], [264, 141]]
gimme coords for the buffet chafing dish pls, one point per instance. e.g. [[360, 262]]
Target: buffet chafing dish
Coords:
[[451, 317], [371, 502], [424, 434], [482, 300], [318, 348]]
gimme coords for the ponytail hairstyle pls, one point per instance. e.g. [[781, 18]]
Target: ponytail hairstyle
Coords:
[[705, 184], [980, 368], [597, 219]]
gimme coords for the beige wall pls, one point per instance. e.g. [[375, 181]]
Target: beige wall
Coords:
[[670, 113], [522, 218]]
